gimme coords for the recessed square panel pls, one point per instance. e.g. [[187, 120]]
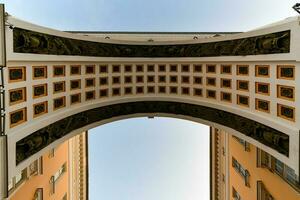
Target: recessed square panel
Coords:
[[75, 84], [185, 90], [286, 112], [139, 68], [39, 90], [103, 93], [39, 72], [211, 94], [140, 90], [162, 89], [210, 81], [185, 79], [151, 79], [75, 98], [128, 90], [128, 68], [173, 68], [128, 79], [150, 89], [90, 69], [16, 74], [89, 82], [197, 68], [116, 91], [173, 90], [243, 100], [198, 80], [185, 68], [226, 69], [198, 92], [242, 70], [225, 83], [59, 102], [40, 108], [161, 68], [262, 88], [286, 72], [286, 92], [211, 69], [59, 70], [226, 96], [242, 85], [103, 69], [103, 80], [162, 79], [75, 70], [17, 95], [139, 79], [18, 117], [173, 79], [116, 80], [59, 87], [262, 71], [116, 68], [90, 95], [150, 68], [262, 105]]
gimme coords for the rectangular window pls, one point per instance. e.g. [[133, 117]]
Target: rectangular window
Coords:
[[59, 173], [262, 192], [242, 142], [241, 170], [235, 194], [265, 160], [38, 195]]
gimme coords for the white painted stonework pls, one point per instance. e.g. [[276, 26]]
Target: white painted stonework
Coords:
[[270, 118]]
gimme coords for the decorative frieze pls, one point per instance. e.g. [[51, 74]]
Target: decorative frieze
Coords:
[[45, 136], [27, 41]]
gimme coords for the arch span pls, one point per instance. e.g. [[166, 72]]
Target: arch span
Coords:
[[58, 82], [43, 137]]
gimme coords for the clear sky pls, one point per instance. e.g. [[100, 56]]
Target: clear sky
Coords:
[[157, 159], [149, 159]]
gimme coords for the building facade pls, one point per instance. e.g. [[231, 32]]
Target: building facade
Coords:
[[60, 174], [242, 171]]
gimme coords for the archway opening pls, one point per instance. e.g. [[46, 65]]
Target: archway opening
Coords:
[[157, 158]]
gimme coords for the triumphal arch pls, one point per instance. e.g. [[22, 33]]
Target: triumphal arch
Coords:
[[55, 84]]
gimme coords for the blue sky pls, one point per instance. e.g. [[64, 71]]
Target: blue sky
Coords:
[[149, 159], [157, 159]]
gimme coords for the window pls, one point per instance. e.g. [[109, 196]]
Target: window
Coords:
[[35, 168], [265, 160], [17, 180], [38, 195], [241, 170], [242, 142], [56, 177], [262, 193], [51, 153], [235, 194]]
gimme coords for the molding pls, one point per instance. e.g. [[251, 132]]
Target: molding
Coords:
[[38, 140], [27, 41]]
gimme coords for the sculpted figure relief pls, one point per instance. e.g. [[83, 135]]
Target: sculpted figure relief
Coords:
[[26, 41], [45, 136]]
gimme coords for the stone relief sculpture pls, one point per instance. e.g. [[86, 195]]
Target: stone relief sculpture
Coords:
[[26, 41], [45, 136]]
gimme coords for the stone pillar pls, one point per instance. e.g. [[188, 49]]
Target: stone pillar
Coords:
[[3, 137], [3, 168]]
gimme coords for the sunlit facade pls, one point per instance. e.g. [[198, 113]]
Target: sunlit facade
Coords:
[[59, 174], [242, 171]]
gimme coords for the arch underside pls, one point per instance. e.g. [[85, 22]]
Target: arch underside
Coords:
[[38, 140]]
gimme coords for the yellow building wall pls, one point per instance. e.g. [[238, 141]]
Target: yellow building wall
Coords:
[[276, 186], [27, 190]]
